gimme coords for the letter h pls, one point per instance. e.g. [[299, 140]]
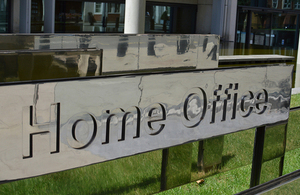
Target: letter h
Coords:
[[31, 128]]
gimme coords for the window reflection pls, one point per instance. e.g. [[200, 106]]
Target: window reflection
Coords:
[[157, 18], [37, 15], [286, 4], [175, 18], [284, 29], [297, 4], [276, 29], [73, 16], [274, 4], [97, 16], [4, 16]]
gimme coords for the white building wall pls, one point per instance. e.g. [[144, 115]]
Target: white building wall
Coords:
[[25, 16], [49, 18], [230, 20], [204, 16], [135, 11], [15, 16]]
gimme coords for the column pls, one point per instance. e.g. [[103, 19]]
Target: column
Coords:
[[204, 17], [104, 16], [217, 22], [135, 16], [230, 22], [49, 18], [25, 16]]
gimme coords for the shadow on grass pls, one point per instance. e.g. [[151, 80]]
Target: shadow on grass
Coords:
[[145, 183], [226, 159]]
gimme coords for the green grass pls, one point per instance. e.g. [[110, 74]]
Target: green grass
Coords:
[[225, 183], [295, 100], [238, 179]]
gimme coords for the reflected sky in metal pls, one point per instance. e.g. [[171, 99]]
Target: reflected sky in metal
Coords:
[[51, 126]]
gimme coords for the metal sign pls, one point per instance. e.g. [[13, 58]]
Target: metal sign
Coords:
[[57, 125]]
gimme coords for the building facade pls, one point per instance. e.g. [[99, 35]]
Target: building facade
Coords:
[[267, 22], [158, 16], [241, 24]]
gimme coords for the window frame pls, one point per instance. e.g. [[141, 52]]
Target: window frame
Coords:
[[95, 6], [286, 4], [275, 2]]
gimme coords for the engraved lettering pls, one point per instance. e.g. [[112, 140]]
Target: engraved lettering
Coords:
[[30, 128], [125, 125], [125, 119], [155, 114], [261, 101], [235, 96], [225, 99], [246, 104], [83, 130], [218, 97], [257, 102], [231, 100], [194, 107]]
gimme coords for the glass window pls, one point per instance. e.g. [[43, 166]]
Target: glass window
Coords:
[[297, 4], [110, 8], [260, 29], [284, 29], [37, 16], [4, 16], [274, 4], [244, 2], [113, 7], [117, 8], [286, 4], [98, 7], [241, 26], [89, 16], [179, 18]]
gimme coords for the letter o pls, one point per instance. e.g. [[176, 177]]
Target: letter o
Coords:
[[194, 107], [83, 130]]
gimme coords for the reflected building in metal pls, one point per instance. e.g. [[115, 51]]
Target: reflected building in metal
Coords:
[[73, 43]]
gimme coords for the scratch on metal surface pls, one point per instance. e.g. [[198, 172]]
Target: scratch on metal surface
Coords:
[[141, 89], [35, 100]]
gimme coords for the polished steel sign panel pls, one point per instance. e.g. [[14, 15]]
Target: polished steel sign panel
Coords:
[[33, 57], [57, 125]]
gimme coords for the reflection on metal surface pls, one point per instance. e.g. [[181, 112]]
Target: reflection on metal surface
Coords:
[[271, 170], [210, 153], [95, 124], [270, 143], [293, 129], [44, 59], [176, 166], [273, 152], [20, 65], [274, 144], [237, 151]]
